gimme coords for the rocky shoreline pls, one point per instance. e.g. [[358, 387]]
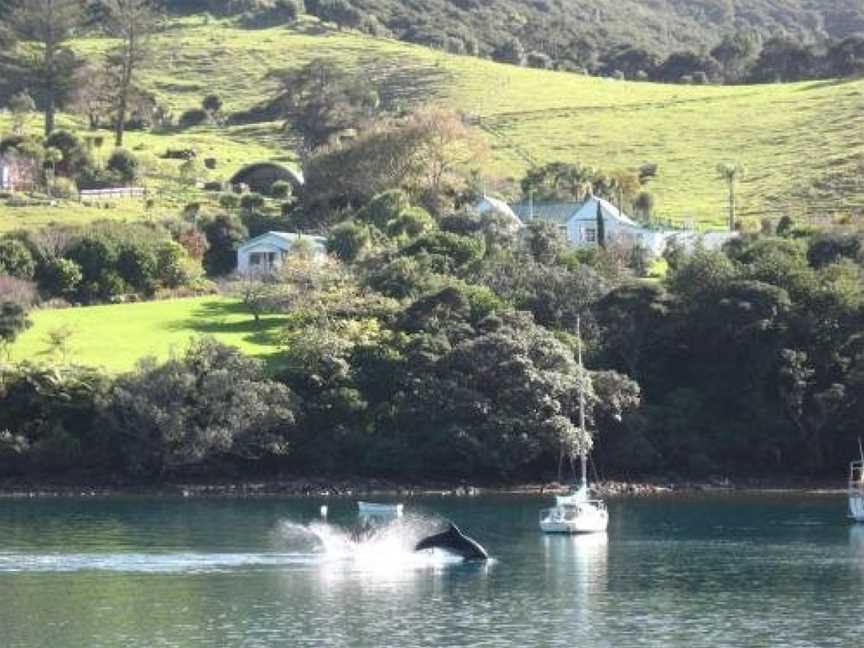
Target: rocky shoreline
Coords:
[[326, 488]]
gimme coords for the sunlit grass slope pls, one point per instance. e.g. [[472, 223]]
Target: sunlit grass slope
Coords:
[[801, 144], [117, 336]]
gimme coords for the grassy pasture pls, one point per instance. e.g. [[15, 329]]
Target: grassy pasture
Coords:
[[802, 144], [117, 336]]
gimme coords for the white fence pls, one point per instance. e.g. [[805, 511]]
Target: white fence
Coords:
[[119, 192]]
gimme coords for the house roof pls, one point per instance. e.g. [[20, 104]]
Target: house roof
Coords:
[[497, 204], [562, 212], [286, 238], [559, 213]]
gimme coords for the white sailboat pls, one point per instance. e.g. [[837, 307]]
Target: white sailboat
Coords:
[[856, 490], [374, 509], [577, 512]]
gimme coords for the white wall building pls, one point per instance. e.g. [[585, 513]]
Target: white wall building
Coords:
[[579, 222], [266, 253]]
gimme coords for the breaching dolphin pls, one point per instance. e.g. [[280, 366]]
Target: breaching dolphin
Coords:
[[454, 541]]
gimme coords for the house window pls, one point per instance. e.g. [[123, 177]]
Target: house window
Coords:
[[262, 258], [590, 235]]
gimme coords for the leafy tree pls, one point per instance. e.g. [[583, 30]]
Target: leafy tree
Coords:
[[341, 12], [385, 208], [545, 241], [224, 234], [347, 241], [20, 105], [16, 259], [510, 50], [211, 405], [13, 322], [322, 99], [783, 59], [559, 181], [137, 266], [417, 153], [50, 24], [701, 276], [124, 164], [631, 61], [846, 57], [61, 277], [687, 64], [735, 53], [133, 22], [451, 252]]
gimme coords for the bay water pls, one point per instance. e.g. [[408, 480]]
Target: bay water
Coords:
[[706, 570]]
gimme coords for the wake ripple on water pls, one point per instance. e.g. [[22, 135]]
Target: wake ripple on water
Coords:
[[387, 546]]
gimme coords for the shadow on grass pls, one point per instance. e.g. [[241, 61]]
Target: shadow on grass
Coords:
[[221, 318], [827, 83]]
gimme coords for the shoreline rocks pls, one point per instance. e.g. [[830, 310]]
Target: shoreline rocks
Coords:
[[358, 488]]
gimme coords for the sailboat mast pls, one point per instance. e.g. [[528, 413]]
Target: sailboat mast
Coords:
[[583, 456]]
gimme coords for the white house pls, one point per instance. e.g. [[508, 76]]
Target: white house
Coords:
[[266, 253], [579, 222]]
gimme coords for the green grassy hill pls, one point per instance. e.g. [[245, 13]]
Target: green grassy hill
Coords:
[[117, 336], [802, 144]]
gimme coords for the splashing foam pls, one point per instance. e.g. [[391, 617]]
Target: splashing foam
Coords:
[[374, 546]]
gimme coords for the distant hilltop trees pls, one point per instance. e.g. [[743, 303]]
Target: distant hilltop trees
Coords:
[[673, 43]]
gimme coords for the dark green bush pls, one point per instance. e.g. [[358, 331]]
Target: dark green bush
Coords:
[[16, 259], [193, 117], [124, 165]]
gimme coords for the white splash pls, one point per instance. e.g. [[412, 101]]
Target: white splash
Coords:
[[388, 546]]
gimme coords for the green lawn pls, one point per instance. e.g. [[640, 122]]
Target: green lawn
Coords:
[[802, 144], [117, 336]]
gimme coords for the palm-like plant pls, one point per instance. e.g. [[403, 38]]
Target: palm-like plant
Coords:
[[731, 172]]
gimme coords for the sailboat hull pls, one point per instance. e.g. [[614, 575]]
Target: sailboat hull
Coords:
[[585, 517]]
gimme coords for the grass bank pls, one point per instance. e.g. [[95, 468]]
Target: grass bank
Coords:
[[117, 336], [802, 144]]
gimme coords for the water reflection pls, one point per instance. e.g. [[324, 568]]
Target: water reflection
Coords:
[[579, 558], [856, 544]]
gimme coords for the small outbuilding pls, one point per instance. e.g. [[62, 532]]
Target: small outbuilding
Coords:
[[16, 172], [267, 252], [261, 176]]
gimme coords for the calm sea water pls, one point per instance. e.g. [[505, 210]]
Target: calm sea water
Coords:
[[683, 571]]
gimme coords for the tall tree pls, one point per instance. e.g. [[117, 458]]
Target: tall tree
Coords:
[[731, 172], [49, 24], [133, 21]]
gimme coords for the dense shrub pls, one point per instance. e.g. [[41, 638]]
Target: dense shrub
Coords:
[[124, 165], [281, 189], [251, 201], [266, 13], [225, 234], [137, 266], [75, 158], [384, 208], [348, 240], [63, 188], [16, 259], [210, 406], [61, 277], [13, 322], [411, 222], [193, 117], [229, 201]]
